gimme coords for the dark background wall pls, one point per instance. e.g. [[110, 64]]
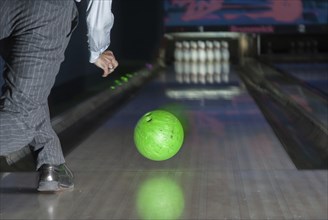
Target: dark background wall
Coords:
[[138, 29]]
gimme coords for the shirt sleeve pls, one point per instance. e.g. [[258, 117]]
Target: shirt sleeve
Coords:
[[100, 20]]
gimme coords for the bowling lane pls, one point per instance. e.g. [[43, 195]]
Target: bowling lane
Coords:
[[301, 86], [231, 165], [315, 74]]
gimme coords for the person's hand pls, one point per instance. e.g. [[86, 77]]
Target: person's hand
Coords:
[[107, 62]]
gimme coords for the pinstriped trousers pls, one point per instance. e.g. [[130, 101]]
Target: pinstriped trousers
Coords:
[[37, 33]]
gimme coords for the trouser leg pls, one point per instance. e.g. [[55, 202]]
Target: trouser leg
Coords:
[[38, 33]]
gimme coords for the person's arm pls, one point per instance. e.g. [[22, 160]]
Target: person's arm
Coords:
[[100, 20]]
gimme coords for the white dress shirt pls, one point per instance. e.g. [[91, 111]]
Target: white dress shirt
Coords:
[[100, 20]]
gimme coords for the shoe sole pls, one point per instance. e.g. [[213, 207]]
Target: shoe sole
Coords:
[[53, 186], [48, 186]]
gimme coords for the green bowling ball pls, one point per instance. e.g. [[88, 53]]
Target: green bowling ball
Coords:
[[180, 112], [158, 135]]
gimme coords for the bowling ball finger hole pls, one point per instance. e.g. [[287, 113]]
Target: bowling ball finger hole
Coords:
[[148, 117]]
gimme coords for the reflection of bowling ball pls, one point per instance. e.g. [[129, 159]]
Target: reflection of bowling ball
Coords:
[[158, 135], [160, 198]]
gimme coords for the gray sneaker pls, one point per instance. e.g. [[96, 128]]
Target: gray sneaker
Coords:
[[54, 178]]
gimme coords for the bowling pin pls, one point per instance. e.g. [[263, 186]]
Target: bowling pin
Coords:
[[186, 51], [225, 71], [202, 79], [202, 72], [178, 51], [209, 51], [210, 68], [217, 67], [186, 68], [178, 71], [210, 79], [210, 72], [225, 51], [194, 78], [217, 71], [217, 50], [178, 67], [186, 78], [201, 51], [193, 51], [194, 72], [179, 78]]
